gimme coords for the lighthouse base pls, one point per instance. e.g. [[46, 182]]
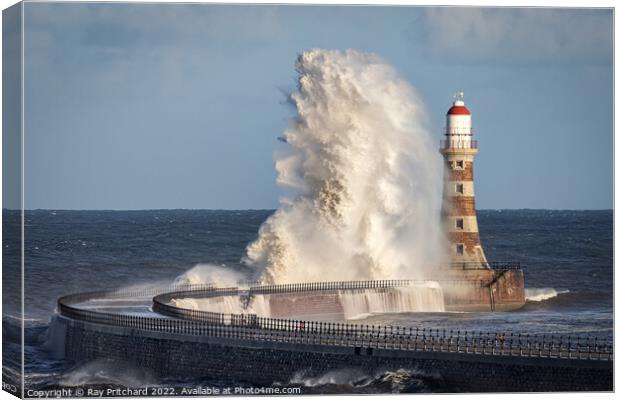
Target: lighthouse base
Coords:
[[480, 290], [494, 290]]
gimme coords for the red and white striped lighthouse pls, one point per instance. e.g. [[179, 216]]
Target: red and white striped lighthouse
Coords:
[[459, 210]]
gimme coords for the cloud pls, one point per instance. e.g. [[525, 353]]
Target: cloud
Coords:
[[60, 33], [519, 35], [123, 24], [111, 45]]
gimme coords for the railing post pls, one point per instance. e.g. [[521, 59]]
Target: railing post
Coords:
[[551, 346], [429, 338], [609, 347], [466, 343], [442, 339], [596, 348], [407, 338], [475, 342]]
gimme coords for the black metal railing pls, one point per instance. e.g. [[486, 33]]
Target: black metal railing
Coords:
[[342, 285], [495, 265], [362, 285], [141, 291], [161, 304]]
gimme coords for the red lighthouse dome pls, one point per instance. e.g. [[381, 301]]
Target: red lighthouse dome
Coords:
[[458, 109]]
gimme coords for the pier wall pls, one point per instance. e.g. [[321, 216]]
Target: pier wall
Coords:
[[495, 291], [265, 362], [463, 290], [319, 304]]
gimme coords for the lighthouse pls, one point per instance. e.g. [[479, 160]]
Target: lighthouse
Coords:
[[459, 210]]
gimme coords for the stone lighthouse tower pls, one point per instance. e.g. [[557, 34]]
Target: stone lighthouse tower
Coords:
[[459, 210]]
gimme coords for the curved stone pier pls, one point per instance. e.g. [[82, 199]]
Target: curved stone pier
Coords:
[[261, 350]]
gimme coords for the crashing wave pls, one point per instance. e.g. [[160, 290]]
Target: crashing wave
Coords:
[[364, 177], [542, 294]]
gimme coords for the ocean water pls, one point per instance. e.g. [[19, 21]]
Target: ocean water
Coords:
[[567, 258]]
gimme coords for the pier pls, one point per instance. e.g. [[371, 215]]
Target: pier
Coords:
[[142, 327]]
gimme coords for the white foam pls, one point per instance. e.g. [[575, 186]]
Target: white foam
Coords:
[[104, 372], [258, 305], [218, 275], [356, 304], [418, 298], [542, 294], [346, 376]]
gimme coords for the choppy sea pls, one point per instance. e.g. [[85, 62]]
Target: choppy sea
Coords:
[[567, 258]]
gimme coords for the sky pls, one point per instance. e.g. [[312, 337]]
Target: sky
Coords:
[[158, 106]]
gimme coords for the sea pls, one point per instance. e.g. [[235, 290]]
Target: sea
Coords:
[[566, 256]]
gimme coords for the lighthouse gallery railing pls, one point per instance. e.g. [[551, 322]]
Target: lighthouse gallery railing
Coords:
[[458, 144]]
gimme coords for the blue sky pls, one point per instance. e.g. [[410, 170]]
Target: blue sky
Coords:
[[138, 106]]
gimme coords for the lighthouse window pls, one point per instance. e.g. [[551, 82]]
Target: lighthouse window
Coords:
[[459, 164], [459, 188], [460, 248], [459, 223]]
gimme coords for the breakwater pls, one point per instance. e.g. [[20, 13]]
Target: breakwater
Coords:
[[330, 302], [267, 350]]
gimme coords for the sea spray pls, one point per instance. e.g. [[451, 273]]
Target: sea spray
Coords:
[[364, 174], [217, 275], [344, 376], [104, 372], [258, 305], [354, 304], [401, 380], [418, 298], [542, 294]]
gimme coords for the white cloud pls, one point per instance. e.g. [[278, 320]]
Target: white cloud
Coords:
[[159, 21], [520, 35], [111, 45]]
